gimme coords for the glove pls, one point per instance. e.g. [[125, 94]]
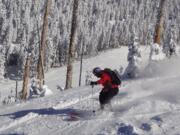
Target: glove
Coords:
[[93, 83]]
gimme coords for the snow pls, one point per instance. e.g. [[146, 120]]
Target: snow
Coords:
[[156, 52], [48, 92], [148, 105]]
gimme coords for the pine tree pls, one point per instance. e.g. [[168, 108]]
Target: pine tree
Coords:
[[172, 43], [134, 58], [71, 53], [41, 60]]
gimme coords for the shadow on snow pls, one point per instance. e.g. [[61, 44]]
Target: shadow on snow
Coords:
[[43, 111]]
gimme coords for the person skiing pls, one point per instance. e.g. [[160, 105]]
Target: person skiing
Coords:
[[109, 89]]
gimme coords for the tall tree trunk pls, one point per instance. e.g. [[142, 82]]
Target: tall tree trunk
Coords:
[[72, 45], [41, 60], [26, 78], [160, 22], [81, 63]]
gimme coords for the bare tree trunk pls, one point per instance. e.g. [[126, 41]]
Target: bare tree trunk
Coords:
[[160, 22], [81, 63], [41, 60], [72, 46], [26, 78]]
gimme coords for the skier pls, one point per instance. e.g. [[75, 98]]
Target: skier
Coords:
[[109, 89]]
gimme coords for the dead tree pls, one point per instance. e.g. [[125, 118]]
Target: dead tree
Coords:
[[26, 78], [41, 60], [160, 22], [71, 53], [81, 63]]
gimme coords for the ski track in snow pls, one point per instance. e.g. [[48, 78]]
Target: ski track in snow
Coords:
[[78, 123], [64, 104], [75, 102]]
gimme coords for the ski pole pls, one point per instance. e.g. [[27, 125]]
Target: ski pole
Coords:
[[92, 90], [93, 100]]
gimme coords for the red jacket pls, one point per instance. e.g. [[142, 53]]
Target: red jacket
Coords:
[[106, 81]]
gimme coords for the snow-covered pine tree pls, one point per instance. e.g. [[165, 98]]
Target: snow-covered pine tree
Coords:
[[103, 24], [71, 54], [170, 48], [134, 58], [172, 44]]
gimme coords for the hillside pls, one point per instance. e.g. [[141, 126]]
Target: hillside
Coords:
[[148, 105]]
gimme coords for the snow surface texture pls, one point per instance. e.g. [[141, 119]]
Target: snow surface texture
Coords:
[[149, 105]]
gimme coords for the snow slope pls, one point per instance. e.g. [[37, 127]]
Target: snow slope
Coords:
[[149, 105]]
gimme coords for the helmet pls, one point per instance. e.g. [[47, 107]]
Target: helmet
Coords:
[[97, 71]]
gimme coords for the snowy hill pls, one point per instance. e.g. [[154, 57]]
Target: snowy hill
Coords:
[[101, 25], [148, 105]]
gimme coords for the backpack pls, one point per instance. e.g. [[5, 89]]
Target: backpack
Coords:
[[114, 74]]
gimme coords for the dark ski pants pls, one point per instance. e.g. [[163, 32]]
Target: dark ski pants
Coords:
[[107, 94]]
